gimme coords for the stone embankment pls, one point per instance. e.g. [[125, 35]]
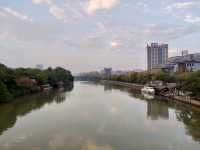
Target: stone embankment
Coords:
[[138, 87], [133, 86]]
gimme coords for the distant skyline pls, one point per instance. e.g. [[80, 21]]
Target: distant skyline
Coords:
[[88, 35]]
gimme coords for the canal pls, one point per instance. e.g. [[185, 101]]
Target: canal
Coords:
[[97, 117]]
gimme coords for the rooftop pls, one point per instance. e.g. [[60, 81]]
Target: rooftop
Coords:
[[157, 45], [187, 58]]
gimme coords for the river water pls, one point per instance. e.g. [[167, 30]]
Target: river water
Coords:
[[97, 117]]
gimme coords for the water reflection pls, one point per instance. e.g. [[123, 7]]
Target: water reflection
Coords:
[[96, 117], [157, 110], [9, 112], [148, 96], [108, 87], [61, 142], [191, 119]]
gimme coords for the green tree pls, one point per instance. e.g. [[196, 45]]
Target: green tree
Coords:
[[42, 78], [21, 81], [192, 83], [4, 93]]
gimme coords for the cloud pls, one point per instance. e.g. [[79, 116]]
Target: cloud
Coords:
[[61, 141], [70, 11], [192, 19], [107, 38], [95, 5], [115, 44], [184, 5], [54, 10], [2, 14], [42, 1], [185, 11], [16, 14], [142, 6], [62, 11], [181, 5], [58, 12]]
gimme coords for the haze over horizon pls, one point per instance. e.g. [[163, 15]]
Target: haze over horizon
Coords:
[[88, 35]]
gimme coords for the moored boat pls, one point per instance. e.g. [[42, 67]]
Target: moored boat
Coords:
[[148, 90]]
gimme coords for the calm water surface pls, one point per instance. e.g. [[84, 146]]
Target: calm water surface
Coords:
[[97, 117]]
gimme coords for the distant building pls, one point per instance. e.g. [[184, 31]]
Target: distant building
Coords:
[[26, 81], [119, 72], [107, 71], [39, 66], [123, 72], [184, 52], [157, 55], [185, 63]]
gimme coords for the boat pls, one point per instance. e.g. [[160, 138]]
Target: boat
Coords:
[[148, 90], [148, 96], [46, 87]]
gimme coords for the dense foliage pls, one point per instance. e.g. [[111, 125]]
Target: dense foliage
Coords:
[[189, 82], [144, 77], [21, 81]]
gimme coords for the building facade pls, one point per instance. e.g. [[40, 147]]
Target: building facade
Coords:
[[157, 55], [185, 63]]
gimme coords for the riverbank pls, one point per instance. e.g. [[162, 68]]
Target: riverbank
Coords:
[[25, 81], [186, 100], [133, 86], [138, 87]]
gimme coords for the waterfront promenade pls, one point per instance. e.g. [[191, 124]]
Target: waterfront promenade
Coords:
[[138, 87]]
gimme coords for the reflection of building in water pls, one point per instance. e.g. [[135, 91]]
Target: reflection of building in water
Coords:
[[107, 72], [156, 110], [107, 87]]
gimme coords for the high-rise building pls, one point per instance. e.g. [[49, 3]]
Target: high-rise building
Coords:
[[157, 55], [39, 66]]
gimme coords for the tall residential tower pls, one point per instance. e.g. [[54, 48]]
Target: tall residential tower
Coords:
[[157, 55]]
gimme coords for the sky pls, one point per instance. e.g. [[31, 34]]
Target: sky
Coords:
[[88, 35]]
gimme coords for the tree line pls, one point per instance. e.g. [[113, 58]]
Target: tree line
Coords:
[[22, 81], [188, 81]]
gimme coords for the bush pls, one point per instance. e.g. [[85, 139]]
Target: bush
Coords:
[[4, 93]]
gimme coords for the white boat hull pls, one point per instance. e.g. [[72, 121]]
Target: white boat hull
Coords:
[[148, 90]]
